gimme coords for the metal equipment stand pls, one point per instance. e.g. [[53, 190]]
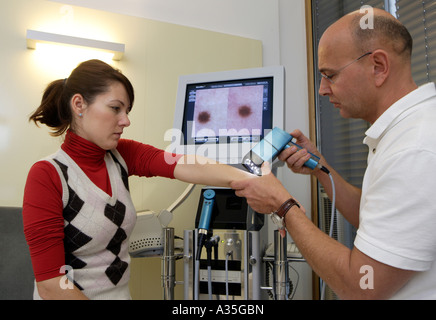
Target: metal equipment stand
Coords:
[[280, 274], [168, 274]]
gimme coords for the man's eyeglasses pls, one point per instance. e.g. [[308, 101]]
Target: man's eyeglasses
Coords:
[[329, 78]]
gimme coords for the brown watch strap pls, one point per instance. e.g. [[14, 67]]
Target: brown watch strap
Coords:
[[284, 208]]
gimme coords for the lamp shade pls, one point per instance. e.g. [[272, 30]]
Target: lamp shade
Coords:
[[33, 37]]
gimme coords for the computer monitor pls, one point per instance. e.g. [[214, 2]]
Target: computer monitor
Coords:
[[222, 115]]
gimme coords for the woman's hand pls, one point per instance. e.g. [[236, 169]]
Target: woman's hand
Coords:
[[265, 194]]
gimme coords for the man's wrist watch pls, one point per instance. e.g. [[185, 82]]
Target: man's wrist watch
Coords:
[[278, 217]]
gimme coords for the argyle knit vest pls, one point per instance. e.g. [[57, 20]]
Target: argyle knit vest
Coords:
[[96, 227]]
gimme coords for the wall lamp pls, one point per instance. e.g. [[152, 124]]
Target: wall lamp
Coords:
[[33, 37]]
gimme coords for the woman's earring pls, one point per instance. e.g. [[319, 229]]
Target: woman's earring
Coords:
[[80, 114]]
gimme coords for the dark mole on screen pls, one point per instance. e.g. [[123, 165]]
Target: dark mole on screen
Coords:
[[244, 111], [204, 117]]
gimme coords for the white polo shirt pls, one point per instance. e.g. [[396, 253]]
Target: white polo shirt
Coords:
[[397, 223]]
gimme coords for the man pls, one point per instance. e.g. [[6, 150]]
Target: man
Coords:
[[367, 75]]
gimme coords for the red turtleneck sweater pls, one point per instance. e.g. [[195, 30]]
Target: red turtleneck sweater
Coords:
[[42, 205]]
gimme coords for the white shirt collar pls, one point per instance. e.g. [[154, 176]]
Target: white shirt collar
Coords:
[[413, 98]]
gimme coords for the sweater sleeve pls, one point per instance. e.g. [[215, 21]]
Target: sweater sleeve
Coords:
[[43, 220], [147, 161]]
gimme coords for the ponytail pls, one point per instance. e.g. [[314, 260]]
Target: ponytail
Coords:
[[89, 79], [54, 111]]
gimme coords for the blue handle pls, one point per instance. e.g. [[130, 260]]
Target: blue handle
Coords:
[[206, 211], [312, 163], [281, 140]]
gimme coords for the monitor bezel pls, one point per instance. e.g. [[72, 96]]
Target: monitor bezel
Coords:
[[276, 72]]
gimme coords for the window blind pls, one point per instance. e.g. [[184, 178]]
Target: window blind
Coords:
[[420, 18], [339, 140]]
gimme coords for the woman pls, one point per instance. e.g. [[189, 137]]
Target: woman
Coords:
[[77, 210]]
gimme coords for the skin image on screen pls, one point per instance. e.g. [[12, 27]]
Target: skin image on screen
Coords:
[[235, 109], [210, 112], [245, 109]]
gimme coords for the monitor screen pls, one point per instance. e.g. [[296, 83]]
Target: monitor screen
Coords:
[[222, 115], [230, 111]]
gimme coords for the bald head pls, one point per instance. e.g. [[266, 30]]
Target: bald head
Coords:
[[365, 87], [386, 33]]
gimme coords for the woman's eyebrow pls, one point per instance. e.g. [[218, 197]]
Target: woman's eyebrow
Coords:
[[116, 100]]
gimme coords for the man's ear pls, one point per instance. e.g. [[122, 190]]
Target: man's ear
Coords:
[[381, 64], [78, 104]]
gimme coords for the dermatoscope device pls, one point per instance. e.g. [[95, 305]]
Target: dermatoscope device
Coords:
[[205, 217], [269, 148]]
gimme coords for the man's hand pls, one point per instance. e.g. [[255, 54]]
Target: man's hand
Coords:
[[295, 158]]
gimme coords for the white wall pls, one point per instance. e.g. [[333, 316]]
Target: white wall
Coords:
[[255, 19]]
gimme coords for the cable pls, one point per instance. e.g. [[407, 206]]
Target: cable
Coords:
[[332, 221], [293, 289], [182, 198], [227, 276], [212, 243], [209, 281], [333, 214], [228, 254], [196, 279]]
